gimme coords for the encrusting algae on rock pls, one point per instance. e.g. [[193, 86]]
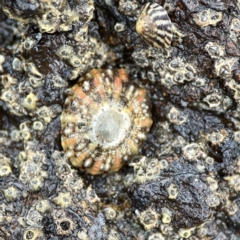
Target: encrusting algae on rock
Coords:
[[104, 121]]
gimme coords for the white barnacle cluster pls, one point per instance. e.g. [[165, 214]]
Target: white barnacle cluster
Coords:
[[235, 29], [217, 138], [10, 96], [81, 56], [207, 17], [151, 170], [27, 131], [174, 71], [72, 184], [223, 68], [72, 193], [129, 8], [52, 16], [177, 71], [182, 71], [24, 91], [163, 217], [31, 168], [68, 175], [32, 222], [196, 154], [223, 65], [233, 180], [151, 57], [169, 71], [162, 221], [148, 169], [82, 202], [21, 98], [167, 141]]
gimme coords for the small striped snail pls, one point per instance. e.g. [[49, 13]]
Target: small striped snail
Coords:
[[154, 26]]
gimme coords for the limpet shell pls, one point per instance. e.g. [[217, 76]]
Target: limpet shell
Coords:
[[104, 121]]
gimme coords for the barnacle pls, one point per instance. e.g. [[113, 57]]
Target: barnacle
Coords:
[[156, 236], [166, 215], [154, 25], [50, 16], [193, 151], [147, 169], [5, 168], [32, 233], [129, 8], [172, 191], [110, 213], [215, 50], [235, 29], [104, 121], [11, 193], [64, 224], [186, 232], [231, 207], [207, 17], [223, 67], [175, 116], [213, 200], [148, 218], [30, 164], [63, 199]]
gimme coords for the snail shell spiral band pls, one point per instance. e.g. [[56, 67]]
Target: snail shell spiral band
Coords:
[[154, 25]]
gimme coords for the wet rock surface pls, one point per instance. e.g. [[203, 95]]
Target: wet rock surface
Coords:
[[184, 183], [180, 190]]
